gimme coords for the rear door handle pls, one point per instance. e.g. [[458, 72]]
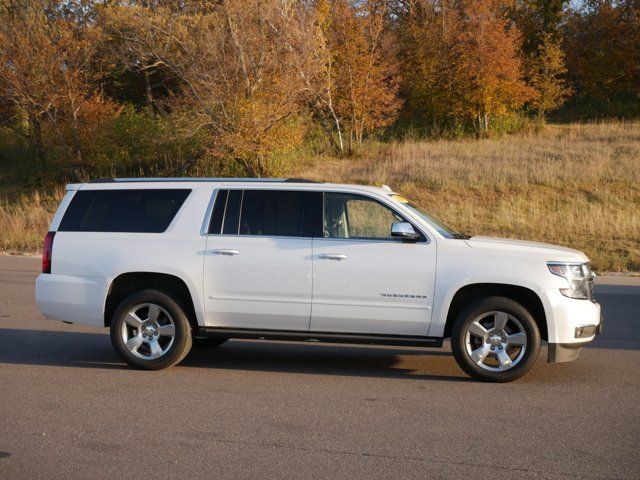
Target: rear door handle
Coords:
[[223, 251], [332, 256]]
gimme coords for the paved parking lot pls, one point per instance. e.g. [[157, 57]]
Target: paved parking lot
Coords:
[[70, 409]]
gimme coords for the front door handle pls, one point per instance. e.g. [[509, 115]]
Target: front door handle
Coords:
[[332, 256], [223, 251]]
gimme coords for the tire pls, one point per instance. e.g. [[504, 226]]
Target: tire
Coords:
[[145, 315], [495, 339], [208, 342]]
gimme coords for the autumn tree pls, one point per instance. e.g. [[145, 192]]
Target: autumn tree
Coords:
[[239, 68], [427, 32], [545, 72], [48, 74], [488, 75], [602, 41], [359, 71], [537, 19]]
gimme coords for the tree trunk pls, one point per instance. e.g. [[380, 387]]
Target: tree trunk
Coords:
[[241, 57], [75, 135], [36, 144], [148, 92], [339, 130]]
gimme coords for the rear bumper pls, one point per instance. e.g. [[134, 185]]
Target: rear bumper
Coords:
[[71, 298]]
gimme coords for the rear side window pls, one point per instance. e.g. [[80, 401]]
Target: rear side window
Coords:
[[278, 213], [140, 211]]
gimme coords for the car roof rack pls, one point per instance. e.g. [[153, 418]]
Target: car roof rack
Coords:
[[201, 179]]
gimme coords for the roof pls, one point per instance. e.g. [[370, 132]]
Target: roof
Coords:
[[109, 183], [200, 179]]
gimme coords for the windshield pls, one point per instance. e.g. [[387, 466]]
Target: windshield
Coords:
[[442, 228]]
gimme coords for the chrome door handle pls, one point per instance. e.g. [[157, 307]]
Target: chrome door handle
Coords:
[[223, 251], [332, 256]]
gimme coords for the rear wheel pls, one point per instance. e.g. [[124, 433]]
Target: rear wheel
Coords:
[[495, 339], [149, 330]]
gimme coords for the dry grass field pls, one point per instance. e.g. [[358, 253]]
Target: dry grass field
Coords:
[[574, 185]]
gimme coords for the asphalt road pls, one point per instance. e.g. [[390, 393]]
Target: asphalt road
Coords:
[[70, 409]]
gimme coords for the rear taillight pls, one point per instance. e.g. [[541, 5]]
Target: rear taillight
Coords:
[[47, 250]]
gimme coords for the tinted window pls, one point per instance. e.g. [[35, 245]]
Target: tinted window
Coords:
[[356, 216], [280, 213], [217, 216], [232, 212], [267, 212], [144, 211]]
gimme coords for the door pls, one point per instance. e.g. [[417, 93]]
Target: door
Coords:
[[365, 280], [258, 264]]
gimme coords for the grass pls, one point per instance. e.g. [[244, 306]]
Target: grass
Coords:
[[576, 185], [24, 221]]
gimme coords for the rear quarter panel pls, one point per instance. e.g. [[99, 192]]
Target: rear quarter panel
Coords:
[[94, 259]]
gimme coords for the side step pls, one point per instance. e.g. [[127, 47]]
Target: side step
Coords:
[[325, 337]]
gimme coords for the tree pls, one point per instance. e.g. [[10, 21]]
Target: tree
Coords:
[[238, 67], [48, 74], [488, 74], [363, 67], [602, 40], [427, 32], [536, 19], [546, 72]]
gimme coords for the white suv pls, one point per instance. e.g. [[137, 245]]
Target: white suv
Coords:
[[168, 262]]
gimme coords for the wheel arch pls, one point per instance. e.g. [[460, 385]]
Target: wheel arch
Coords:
[[527, 297], [127, 283]]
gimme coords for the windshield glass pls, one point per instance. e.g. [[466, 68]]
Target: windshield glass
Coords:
[[442, 228]]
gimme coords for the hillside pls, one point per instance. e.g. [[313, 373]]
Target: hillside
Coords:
[[576, 185]]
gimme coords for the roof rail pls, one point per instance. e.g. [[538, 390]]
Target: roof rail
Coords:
[[199, 179], [300, 180]]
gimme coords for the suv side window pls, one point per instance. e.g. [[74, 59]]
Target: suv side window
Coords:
[[278, 213], [126, 210], [355, 216]]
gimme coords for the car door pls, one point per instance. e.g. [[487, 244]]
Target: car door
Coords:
[[365, 280], [258, 264]]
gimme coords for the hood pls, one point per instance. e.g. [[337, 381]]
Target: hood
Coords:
[[551, 252]]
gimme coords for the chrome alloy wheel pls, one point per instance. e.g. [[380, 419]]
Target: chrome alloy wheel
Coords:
[[496, 341], [148, 331]]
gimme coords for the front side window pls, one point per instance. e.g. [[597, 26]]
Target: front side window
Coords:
[[277, 213], [358, 217]]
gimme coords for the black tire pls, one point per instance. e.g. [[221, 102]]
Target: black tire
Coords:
[[175, 351], [514, 310], [208, 342]]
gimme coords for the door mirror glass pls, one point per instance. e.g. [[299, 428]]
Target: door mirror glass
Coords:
[[405, 231]]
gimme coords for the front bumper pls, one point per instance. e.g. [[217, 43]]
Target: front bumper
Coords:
[[571, 325]]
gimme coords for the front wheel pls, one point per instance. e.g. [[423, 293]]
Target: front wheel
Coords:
[[149, 330], [495, 339]]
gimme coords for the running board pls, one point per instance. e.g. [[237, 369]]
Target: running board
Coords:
[[325, 337]]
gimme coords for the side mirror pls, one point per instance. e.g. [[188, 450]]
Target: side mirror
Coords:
[[405, 231]]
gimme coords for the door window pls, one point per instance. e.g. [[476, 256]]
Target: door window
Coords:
[[355, 216], [277, 213]]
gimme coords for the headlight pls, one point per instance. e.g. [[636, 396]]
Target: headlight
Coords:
[[578, 275]]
